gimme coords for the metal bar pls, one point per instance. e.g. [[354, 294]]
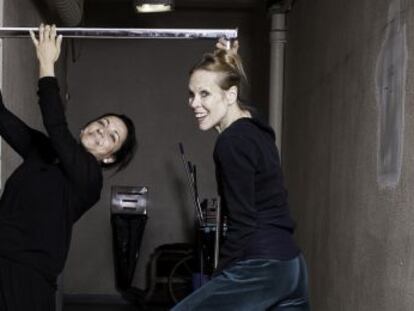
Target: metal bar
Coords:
[[217, 233], [126, 33], [190, 179]]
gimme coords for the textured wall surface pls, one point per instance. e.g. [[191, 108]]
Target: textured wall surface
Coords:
[[20, 74], [348, 150], [147, 80]]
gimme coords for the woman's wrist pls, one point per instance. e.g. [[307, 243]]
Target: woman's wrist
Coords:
[[46, 70]]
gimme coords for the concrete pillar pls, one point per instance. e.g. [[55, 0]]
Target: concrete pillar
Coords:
[[277, 60]]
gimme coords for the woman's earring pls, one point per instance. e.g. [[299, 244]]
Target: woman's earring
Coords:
[[108, 160]]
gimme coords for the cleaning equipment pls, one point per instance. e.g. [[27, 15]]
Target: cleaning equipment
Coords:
[[209, 229], [128, 219]]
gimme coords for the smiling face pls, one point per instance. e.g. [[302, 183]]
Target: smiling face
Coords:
[[212, 106], [104, 137]]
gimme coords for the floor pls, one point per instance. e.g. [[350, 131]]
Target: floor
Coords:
[[159, 300], [101, 307]]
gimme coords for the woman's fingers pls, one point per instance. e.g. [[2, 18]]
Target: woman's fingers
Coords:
[[228, 45], [47, 32], [53, 32], [41, 32], [59, 44], [222, 43], [235, 46], [34, 40]]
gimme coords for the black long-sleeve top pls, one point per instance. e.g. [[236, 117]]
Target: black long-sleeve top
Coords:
[[250, 184], [56, 183]]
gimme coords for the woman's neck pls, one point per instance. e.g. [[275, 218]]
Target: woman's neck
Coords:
[[231, 117]]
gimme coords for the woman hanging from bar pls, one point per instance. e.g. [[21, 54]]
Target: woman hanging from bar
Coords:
[[260, 266], [58, 181]]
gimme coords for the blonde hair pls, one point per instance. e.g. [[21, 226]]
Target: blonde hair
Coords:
[[228, 64]]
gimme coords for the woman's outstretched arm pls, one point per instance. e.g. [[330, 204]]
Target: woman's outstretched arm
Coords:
[[79, 165]]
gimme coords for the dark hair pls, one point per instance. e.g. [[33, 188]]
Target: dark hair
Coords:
[[230, 65], [127, 151]]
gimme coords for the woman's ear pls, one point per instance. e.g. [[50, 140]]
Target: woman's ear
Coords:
[[232, 94]]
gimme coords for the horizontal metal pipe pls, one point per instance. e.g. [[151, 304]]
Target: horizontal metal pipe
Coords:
[[125, 33]]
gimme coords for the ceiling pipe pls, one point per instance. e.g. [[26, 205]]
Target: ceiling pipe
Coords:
[[70, 12], [277, 10], [279, 6], [277, 64]]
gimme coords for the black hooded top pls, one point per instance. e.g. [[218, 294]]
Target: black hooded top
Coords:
[[253, 197], [56, 183]]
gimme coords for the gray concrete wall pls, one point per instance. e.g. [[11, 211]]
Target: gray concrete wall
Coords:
[[147, 80], [349, 123], [20, 75]]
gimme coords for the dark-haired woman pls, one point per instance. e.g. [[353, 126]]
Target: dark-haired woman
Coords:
[[260, 266], [58, 181]]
